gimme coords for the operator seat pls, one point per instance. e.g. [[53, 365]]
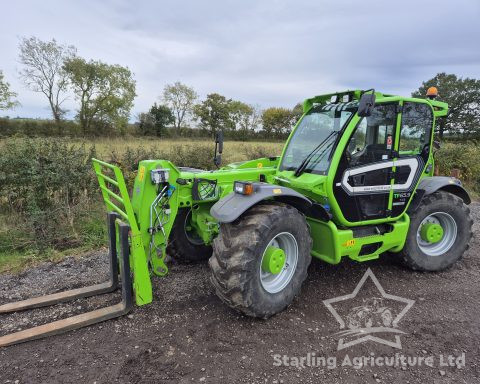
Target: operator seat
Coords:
[[374, 153]]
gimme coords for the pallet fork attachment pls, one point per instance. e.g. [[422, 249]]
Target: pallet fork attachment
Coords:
[[88, 318]]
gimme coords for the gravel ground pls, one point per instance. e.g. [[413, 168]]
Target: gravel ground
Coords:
[[188, 335]]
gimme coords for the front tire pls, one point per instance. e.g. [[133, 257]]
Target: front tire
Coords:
[[185, 246], [239, 274], [434, 251]]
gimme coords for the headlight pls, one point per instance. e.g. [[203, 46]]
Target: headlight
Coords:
[[243, 187]]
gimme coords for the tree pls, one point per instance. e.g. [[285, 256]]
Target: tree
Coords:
[[214, 113], [43, 70], [297, 112], [105, 92], [244, 118], [7, 97], [463, 98], [146, 123], [156, 120], [277, 122], [180, 99], [162, 117]]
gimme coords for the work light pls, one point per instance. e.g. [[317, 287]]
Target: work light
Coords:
[[159, 175]]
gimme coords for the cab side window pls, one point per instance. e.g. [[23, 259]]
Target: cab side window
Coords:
[[417, 121], [372, 140]]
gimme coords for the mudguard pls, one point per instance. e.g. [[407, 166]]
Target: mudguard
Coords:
[[429, 185], [233, 205]]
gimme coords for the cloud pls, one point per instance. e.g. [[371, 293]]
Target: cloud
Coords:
[[269, 52]]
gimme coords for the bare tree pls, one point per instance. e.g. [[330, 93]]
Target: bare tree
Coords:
[[43, 70], [180, 98]]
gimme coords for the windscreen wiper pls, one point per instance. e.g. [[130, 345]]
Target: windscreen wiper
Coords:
[[303, 165]]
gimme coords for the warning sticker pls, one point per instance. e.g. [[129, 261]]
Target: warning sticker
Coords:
[[141, 173], [389, 142], [349, 243]]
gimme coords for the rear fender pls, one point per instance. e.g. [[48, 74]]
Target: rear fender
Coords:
[[429, 185]]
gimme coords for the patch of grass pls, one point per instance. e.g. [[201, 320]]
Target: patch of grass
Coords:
[[16, 261], [17, 243], [92, 227]]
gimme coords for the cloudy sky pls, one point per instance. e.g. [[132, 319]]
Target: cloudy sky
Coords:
[[271, 53]]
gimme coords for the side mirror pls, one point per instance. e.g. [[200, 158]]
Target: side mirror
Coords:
[[217, 160], [366, 104]]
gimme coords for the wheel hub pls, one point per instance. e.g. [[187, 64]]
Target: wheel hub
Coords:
[[431, 232], [273, 260], [279, 262], [436, 234]]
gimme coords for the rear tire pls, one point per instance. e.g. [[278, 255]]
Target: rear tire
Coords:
[[236, 263], [185, 246], [451, 212]]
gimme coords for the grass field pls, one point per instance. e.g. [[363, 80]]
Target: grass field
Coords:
[[233, 150]]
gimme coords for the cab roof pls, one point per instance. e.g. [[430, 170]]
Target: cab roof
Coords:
[[439, 108]]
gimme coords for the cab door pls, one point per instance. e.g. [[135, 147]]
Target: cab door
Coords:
[[364, 176], [413, 148]]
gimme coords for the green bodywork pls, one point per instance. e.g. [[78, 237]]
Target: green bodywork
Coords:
[[332, 239]]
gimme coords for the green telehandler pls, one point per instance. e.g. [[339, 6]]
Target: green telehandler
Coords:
[[355, 179]]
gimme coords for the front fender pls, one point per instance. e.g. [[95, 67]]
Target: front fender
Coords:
[[233, 205]]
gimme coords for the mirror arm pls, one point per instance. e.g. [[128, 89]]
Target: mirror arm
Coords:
[[217, 159]]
